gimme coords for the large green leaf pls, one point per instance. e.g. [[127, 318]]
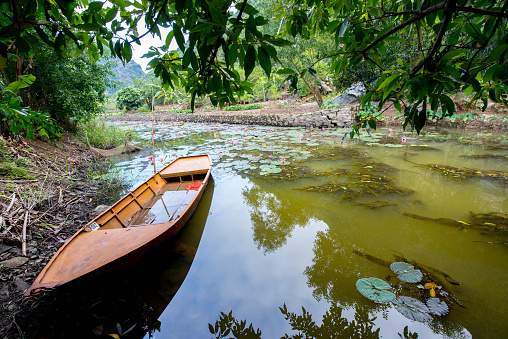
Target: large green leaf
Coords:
[[413, 309], [250, 60], [375, 289], [264, 60], [25, 81]]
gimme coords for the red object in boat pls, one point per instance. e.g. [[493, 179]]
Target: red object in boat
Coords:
[[193, 187]]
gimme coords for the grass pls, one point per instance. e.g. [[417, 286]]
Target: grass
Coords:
[[186, 111], [243, 107], [14, 168], [102, 135]]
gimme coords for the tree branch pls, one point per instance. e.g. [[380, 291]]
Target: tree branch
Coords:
[[418, 16], [480, 11], [154, 23], [448, 11], [486, 42]]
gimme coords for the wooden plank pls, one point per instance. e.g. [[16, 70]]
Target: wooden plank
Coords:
[[187, 166]]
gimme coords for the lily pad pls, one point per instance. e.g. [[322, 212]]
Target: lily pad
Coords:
[[375, 289], [413, 309], [413, 276], [401, 267], [437, 307]]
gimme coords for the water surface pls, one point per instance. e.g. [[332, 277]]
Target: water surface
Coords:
[[298, 216]]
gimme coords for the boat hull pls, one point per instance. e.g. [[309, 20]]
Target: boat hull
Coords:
[[116, 238]]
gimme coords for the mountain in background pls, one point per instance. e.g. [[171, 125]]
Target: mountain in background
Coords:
[[124, 75]]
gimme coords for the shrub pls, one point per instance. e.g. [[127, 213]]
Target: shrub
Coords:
[[128, 98]]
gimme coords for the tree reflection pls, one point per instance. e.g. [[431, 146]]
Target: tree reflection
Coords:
[[334, 325], [331, 267], [274, 217]]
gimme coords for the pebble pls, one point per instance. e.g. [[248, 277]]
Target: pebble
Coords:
[[21, 285], [14, 262]]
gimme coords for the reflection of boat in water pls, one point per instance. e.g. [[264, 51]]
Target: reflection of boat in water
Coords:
[[132, 297], [141, 220]]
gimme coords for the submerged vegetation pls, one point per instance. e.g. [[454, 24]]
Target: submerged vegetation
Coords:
[[463, 174], [493, 223]]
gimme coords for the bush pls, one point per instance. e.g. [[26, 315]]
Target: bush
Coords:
[[128, 98], [243, 108], [67, 87]]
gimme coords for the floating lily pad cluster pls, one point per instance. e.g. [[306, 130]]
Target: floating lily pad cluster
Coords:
[[406, 272], [380, 291]]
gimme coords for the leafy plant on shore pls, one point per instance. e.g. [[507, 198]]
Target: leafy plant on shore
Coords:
[[17, 119]]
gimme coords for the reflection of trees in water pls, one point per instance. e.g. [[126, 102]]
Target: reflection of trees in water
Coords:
[[332, 265], [333, 325], [273, 217], [335, 265]]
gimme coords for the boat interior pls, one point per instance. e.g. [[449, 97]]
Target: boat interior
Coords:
[[160, 199]]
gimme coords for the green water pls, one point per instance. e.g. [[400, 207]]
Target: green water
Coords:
[[297, 231]]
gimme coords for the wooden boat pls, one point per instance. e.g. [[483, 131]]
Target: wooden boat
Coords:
[[141, 220]]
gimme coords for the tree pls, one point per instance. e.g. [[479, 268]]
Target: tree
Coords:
[[67, 86], [128, 98], [465, 49]]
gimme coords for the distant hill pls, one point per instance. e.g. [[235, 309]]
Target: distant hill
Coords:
[[124, 75]]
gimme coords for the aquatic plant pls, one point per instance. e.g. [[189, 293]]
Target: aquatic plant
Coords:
[[412, 309], [437, 306], [406, 272], [376, 204], [495, 223], [462, 174], [375, 289]]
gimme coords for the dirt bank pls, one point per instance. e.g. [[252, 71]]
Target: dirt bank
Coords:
[[49, 201]]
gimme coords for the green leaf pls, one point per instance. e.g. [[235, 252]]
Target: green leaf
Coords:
[[217, 16], [25, 81], [187, 58], [447, 105], [373, 288], [111, 14], [453, 54], [179, 6], [95, 6], [89, 27], [179, 37], [264, 60], [250, 60], [286, 71], [127, 51]]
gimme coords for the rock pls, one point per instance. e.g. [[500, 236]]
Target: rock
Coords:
[[21, 285], [14, 262], [310, 104], [353, 94], [99, 209]]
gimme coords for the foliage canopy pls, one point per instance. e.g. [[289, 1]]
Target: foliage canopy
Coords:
[[462, 44]]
